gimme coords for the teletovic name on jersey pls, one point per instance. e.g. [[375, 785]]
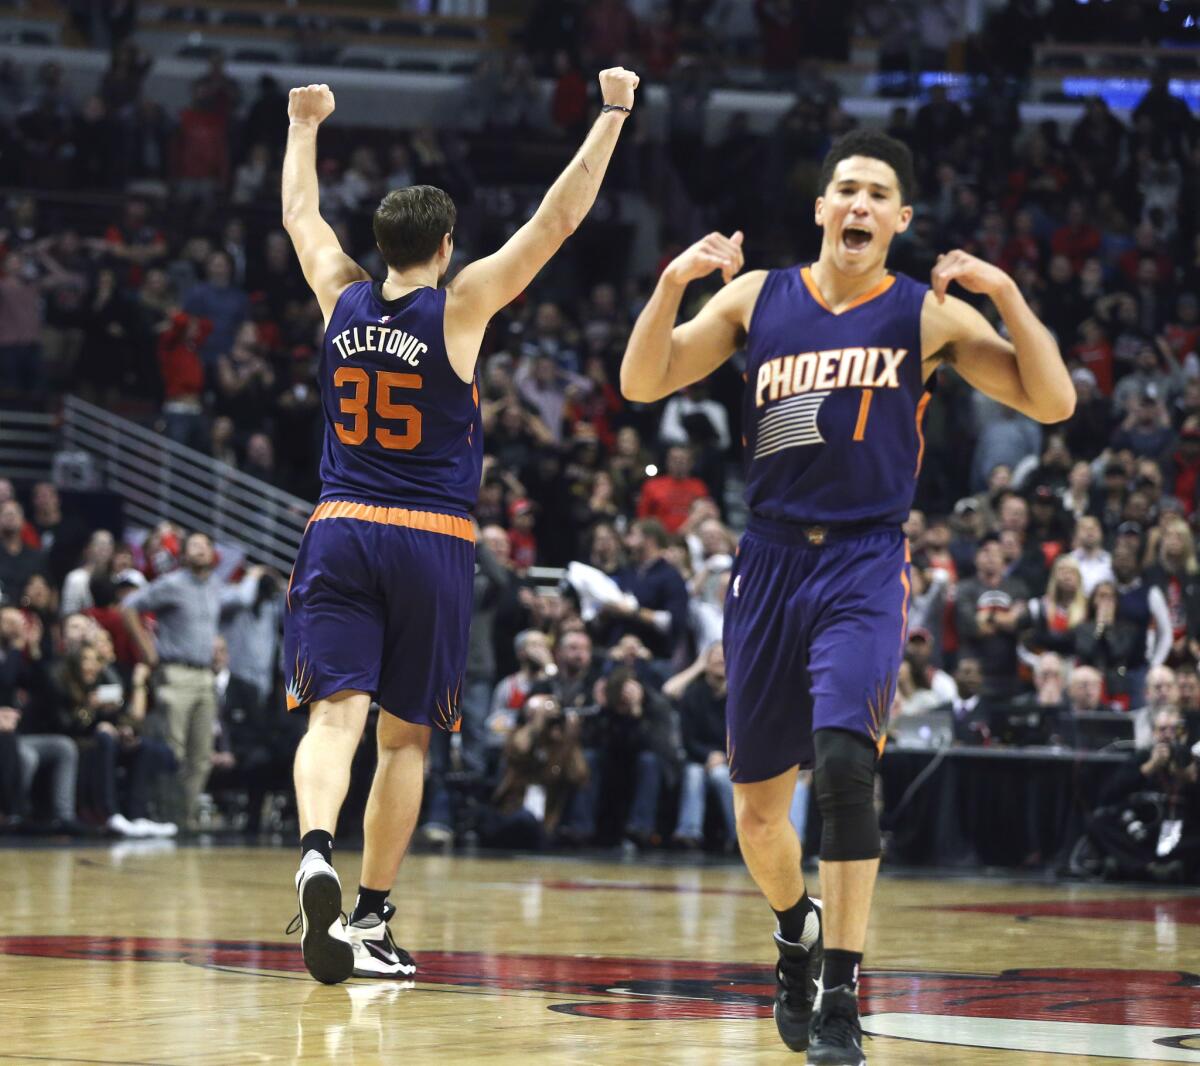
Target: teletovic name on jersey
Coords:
[[386, 341]]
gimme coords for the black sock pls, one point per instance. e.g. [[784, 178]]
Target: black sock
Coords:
[[792, 921], [370, 901], [317, 840], [841, 968]]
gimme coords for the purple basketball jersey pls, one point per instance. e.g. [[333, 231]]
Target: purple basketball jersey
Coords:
[[833, 402], [401, 427]]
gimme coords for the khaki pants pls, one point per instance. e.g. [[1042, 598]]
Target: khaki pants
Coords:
[[188, 702]]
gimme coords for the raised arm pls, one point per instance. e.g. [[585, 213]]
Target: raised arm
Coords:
[[489, 284], [1027, 374], [327, 269], [662, 357]]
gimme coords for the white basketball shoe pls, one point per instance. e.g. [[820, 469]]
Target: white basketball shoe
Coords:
[[376, 953]]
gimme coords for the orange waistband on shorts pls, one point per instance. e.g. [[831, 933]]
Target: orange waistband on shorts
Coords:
[[429, 521]]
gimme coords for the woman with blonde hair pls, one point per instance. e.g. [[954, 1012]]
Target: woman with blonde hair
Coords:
[[1177, 573], [1060, 610]]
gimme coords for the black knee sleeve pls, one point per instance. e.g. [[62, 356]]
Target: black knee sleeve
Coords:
[[844, 783]]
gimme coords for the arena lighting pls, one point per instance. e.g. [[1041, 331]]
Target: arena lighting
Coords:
[[1126, 93]]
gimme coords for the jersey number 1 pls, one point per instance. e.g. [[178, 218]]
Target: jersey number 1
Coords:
[[355, 405]]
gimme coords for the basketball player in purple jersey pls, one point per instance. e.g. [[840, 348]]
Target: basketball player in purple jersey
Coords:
[[379, 603], [839, 360]]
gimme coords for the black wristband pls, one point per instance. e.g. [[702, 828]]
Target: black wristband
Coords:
[[616, 107]]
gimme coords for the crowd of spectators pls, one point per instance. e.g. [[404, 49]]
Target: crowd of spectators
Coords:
[[1053, 565], [130, 675]]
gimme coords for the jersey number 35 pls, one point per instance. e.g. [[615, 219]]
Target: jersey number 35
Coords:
[[356, 405]]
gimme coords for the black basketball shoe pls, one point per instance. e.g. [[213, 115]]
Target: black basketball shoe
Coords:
[[327, 951], [836, 1035], [376, 953], [796, 975]]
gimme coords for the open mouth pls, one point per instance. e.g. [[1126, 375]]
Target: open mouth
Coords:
[[856, 238]]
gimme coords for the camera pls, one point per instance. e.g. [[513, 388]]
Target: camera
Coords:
[[1181, 755]]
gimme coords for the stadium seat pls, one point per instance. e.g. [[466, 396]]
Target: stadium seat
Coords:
[[418, 66], [249, 19], [199, 51], [453, 32], [1063, 60], [1123, 61], [358, 61], [257, 55], [353, 24], [401, 28], [1180, 62], [182, 14]]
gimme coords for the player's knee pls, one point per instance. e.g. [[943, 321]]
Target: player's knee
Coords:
[[395, 734], [756, 822], [844, 783]]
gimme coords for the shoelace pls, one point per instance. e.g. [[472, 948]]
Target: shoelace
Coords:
[[838, 1028], [297, 923]]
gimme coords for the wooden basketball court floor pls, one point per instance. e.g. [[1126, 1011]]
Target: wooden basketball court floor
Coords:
[[176, 955]]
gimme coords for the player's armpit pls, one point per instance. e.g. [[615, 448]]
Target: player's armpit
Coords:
[[490, 284], [327, 269]]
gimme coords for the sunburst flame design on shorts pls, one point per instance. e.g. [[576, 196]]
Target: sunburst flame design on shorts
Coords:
[[299, 687], [449, 714]]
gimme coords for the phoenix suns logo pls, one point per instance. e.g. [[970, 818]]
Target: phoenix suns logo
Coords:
[[1145, 1016]]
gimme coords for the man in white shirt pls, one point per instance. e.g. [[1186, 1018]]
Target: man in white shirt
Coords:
[[1095, 564]]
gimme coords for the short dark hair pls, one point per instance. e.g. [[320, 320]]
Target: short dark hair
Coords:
[[653, 529], [409, 224], [874, 145]]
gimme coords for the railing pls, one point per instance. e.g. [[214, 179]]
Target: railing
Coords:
[[28, 441], [159, 479]]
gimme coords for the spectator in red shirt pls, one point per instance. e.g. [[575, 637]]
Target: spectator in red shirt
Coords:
[[1146, 243], [569, 105], [669, 496], [522, 542], [107, 594], [1094, 353], [202, 144], [1183, 333], [1078, 239], [1182, 469], [183, 377], [1022, 246], [135, 241]]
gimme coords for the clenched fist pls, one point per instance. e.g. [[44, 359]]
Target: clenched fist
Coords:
[[617, 85], [973, 274], [714, 252], [310, 104]]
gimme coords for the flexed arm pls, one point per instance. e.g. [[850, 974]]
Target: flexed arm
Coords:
[[489, 284], [327, 269], [1028, 373], [662, 357]]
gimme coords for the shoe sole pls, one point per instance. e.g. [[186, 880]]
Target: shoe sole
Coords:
[[327, 958], [817, 1062], [391, 975]]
